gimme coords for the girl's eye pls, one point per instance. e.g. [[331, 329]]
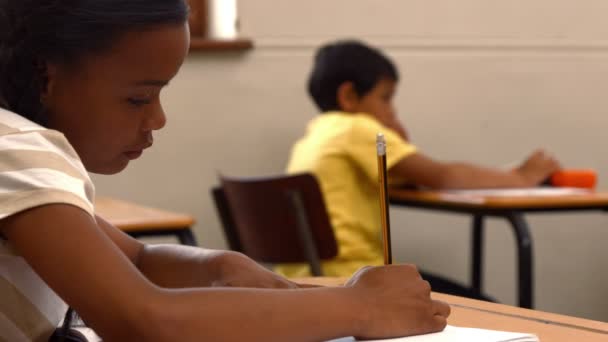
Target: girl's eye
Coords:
[[138, 102]]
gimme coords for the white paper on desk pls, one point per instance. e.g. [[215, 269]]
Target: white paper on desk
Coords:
[[458, 334], [519, 192]]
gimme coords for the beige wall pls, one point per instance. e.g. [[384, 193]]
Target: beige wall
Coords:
[[484, 81]]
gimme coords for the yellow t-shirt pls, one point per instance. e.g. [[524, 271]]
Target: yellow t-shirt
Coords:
[[340, 150]]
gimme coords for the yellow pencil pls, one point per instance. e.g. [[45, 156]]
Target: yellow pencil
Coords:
[[383, 186]]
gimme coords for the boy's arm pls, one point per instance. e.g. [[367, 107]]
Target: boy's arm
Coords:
[[177, 266], [422, 170], [66, 247]]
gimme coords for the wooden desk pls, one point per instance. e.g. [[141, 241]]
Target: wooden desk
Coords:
[[138, 220], [478, 314], [510, 208]]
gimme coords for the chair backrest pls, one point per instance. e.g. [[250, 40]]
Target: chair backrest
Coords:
[[223, 209], [264, 218]]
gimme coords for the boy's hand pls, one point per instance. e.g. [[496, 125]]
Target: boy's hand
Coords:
[[393, 123], [538, 167], [400, 129], [396, 302]]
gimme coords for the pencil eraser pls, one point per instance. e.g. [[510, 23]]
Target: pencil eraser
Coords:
[[581, 178]]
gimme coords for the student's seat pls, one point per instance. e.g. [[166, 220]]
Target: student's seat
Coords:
[[283, 219], [279, 219]]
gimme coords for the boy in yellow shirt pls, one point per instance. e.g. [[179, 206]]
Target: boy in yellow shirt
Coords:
[[353, 85]]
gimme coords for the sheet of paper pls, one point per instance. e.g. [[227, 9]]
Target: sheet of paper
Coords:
[[519, 192], [458, 334]]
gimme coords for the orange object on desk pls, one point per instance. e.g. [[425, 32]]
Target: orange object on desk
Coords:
[[582, 178]]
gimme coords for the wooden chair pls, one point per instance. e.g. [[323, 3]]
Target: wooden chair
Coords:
[[284, 219], [279, 219]]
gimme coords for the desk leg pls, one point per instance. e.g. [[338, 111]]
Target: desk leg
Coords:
[[524, 259], [477, 257], [186, 237]]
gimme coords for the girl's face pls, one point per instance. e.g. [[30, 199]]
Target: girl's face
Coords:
[[108, 104]]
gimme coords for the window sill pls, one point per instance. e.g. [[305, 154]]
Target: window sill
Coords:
[[211, 45]]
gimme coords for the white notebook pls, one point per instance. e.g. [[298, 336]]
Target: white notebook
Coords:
[[520, 192], [458, 334]]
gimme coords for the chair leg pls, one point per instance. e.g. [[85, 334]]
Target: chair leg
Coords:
[[186, 237], [477, 257]]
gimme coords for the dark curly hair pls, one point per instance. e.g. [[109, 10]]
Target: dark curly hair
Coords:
[[35, 32], [347, 61]]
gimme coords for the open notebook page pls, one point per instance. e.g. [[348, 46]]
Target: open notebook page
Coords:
[[458, 334], [520, 192]]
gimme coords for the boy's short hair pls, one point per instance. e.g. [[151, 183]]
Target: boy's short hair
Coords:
[[347, 61]]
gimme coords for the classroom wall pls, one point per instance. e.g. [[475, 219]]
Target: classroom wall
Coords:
[[484, 81]]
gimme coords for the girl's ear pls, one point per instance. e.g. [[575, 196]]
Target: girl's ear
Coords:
[[347, 98], [48, 72]]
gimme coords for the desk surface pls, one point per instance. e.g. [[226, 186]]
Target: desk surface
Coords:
[[597, 200], [478, 314], [132, 217]]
